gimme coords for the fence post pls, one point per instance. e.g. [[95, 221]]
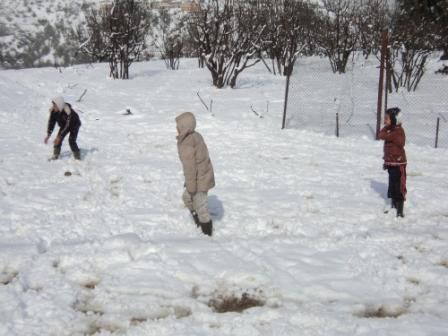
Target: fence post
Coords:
[[381, 83], [285, 105], [437, 132], [337, 124], [387, 87]]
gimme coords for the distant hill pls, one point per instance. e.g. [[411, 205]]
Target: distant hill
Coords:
[[36, 33], [40, 32]]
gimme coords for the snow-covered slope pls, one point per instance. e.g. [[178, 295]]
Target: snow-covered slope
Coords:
[[105, 245], [35, 33], [38, 32]]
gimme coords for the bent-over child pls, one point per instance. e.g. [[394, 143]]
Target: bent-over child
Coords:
[[68, 121]]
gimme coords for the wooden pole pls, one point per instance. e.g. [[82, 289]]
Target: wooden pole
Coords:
[[381, 83], [285, 105], [388, 78]]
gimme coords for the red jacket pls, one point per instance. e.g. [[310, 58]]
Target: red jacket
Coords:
[[394, 141]]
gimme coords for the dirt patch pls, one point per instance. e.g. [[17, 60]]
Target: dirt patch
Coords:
[[233, 303]]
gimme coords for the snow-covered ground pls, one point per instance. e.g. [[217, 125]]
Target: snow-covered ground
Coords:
[[299, 216]]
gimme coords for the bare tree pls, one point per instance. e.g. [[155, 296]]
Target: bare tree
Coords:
[[338, 35], [372, 20], [412, 42], [228, 34], [291, 24], [169, 39], [440, 13], [116, 32]]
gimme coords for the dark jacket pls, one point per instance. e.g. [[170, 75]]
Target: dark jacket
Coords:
[[68, 121], [394, 141]]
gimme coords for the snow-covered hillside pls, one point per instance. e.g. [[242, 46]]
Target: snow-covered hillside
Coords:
[[104, 246], [37, 32]]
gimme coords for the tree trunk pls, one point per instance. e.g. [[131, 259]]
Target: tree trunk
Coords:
[[444, 56], [287, 70], [232, 82]]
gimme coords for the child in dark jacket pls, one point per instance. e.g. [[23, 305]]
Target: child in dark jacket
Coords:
[[68, 121], [395, 158]]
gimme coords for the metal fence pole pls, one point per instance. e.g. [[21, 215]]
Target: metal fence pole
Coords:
[[437, 132], [337, 124], [285, 105]]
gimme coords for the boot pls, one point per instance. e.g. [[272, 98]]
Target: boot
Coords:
[[207, 228], [400, 205], [56, 152], [195, 217], [77, 155], [393, 204]]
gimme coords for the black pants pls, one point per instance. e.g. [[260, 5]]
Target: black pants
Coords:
[[71, 141], [397, 183]]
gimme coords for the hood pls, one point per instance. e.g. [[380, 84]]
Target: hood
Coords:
[[398, 119], [186, 124], [59, 102]]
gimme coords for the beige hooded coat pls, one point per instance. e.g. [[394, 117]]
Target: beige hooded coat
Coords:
[[193, 153]]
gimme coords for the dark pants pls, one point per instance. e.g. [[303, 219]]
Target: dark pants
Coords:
[[397, 183], [71, 141]]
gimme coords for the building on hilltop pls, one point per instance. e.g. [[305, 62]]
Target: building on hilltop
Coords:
[[184, 5], [188, 6]]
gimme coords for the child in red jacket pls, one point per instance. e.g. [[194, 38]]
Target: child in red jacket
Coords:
[[395, 157]]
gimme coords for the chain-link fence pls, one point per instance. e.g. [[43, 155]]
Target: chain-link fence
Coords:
[[346, 104], [425, 111]]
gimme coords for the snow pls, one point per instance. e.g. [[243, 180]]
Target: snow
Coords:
[[298, 215]]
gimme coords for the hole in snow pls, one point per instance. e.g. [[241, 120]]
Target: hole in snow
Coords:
[[443, 263], [85, 304], [98, 327], [383, 311], [91, 284], [413, 281], [138, 320], [7, 276]]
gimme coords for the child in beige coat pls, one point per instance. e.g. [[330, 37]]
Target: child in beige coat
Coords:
[[198, 170]]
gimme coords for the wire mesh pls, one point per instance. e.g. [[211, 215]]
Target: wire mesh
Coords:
[[318, 99]]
